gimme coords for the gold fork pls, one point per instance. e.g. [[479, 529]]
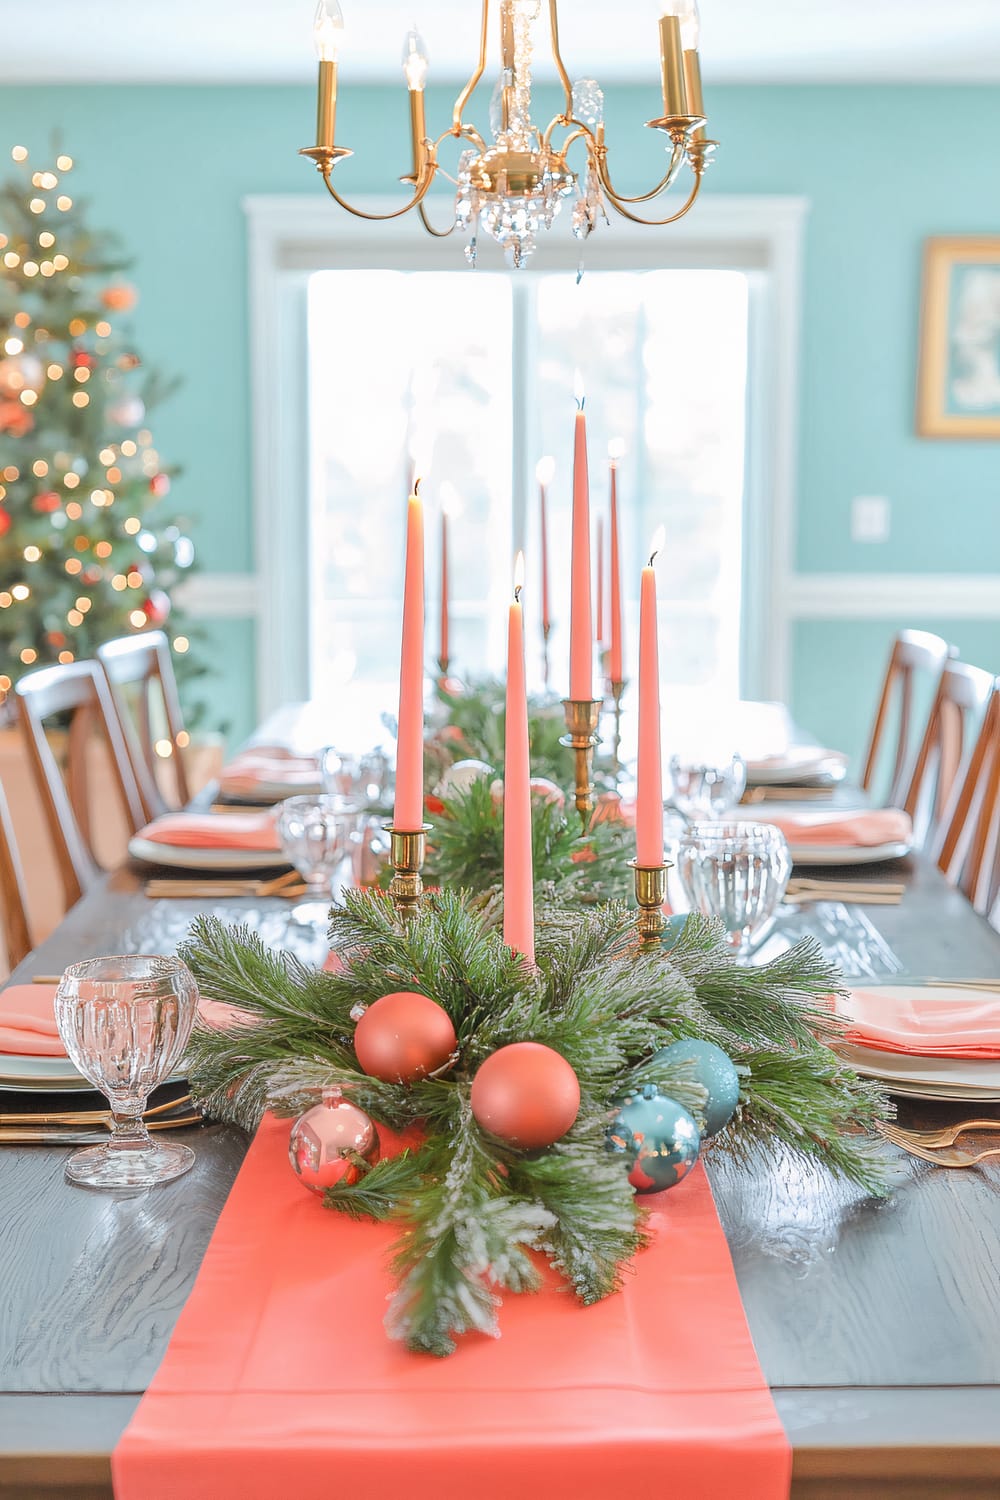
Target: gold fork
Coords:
[[931, 1138], [88, 1116], [938, 1158]]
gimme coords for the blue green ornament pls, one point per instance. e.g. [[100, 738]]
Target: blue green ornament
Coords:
[[716, 1074], [673, 929], [656, 1137]]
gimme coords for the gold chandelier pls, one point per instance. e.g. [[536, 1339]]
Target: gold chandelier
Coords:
[[513, 185]]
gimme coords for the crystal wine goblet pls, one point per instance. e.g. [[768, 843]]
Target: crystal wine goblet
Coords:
[[736, 872], [703, 789], [317, 835], [125, 1022]]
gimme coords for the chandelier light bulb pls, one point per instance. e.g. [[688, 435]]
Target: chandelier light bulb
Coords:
[[544, 470], [328, 29], [415, 60], [686, 12]]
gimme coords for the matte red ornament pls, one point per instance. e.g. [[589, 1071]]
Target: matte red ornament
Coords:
[[403, 1037], [527, 1094], [157, 607], [5, 521], [160, 484], [46, 501]]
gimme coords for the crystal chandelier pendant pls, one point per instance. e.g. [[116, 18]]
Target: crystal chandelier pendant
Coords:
[[515, 186]]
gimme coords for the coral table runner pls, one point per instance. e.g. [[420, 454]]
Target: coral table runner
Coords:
[[280, 1380]]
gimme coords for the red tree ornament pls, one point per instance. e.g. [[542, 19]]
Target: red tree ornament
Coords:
[[527, 1094], [46, 501], [157, 607], [5, 521], [159, 485], [403, 1037], [119, 298], [81, 360]]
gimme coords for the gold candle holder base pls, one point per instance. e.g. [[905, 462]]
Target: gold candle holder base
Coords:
[[406, 853], [582, 718], [650, 894], [325, 157], [617, 694]]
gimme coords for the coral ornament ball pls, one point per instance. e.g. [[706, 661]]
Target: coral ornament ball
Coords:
[[404, 1036], [526, 1094]]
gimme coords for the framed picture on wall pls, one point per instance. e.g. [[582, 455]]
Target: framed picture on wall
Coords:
[[958, 383]]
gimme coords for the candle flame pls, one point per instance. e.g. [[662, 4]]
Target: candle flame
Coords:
[[544, 470], [656, 545], [578, 389], [616, 449], [518, 577], [451, 501]]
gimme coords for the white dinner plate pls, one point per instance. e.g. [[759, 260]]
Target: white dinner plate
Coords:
[[151, 853], [275, 791], [40, 1074], [948, 1077], [846, 854], [806, 764]]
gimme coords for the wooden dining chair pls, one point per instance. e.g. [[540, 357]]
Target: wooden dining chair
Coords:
[[969, 852], [13, 895], [959, 701], [140, 674], [78, 692], [914, 653]]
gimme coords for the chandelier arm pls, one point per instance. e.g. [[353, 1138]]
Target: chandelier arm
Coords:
[[468, 131], [557, 58], [578, 128], [439, 234], [466, 94], [650, 223], [418, 197], [676, 162]]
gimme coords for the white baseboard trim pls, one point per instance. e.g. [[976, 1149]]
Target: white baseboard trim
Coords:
[[879, 596], [219, 596]]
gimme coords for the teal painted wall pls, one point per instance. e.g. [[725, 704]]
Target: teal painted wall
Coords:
[[882, 168]]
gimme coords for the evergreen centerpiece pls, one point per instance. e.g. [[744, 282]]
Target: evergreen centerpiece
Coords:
[[494, 1172], [88, 549]]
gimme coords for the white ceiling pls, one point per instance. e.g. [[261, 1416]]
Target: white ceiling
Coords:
[[243, 41]]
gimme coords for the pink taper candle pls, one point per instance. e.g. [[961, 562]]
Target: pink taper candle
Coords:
[[616, 655], [600, 580], [518, 874], [408, 814], [649, 797], [581, 626], [544, 470], [443, 653]]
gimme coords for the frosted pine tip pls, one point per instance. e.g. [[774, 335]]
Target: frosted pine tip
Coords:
[[578, 390], [656, 545], [518, 577]]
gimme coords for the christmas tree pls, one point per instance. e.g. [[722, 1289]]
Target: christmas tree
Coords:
[[88, 550]]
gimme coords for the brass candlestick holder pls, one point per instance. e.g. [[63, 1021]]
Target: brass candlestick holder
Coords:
[[617, 694], [582, 718], [406, 851], [650, 894]]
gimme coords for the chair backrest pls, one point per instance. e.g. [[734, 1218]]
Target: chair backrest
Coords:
[[79, 691], [961, 696], [143, 662], [13, 898], [913, 652], [969, 853]]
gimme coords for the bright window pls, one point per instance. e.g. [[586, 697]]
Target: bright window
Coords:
[[472, 375]]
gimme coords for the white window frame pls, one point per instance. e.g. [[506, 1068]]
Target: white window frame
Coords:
[[290, 236]]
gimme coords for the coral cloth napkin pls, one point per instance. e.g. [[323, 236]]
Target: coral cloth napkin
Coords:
[[267, 766], [858, 830], [923, 1020], [279, 1379], [208, 831], [28, 1023]]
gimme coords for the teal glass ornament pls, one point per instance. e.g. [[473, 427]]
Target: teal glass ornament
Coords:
[[673, 929], [656, 1137], [716, 1074]]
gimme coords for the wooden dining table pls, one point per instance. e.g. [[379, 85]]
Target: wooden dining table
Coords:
[[877, 1323]]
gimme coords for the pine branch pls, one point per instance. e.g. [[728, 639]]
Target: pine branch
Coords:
[[378, 1194]]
